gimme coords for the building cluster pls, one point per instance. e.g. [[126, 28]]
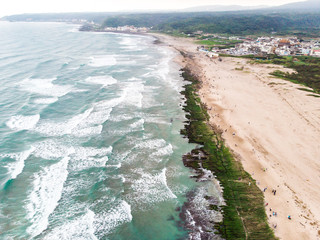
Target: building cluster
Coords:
[[131, 29], [211, 54], [272, 45]]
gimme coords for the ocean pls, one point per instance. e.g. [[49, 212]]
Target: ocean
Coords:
[[90, 144]]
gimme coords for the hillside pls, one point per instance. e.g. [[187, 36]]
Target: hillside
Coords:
[[59, 17], [300, 19], [237, 23]]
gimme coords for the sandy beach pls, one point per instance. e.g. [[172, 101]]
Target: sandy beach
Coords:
[[271, 127]]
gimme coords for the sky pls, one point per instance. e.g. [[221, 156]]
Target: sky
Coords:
[[10, 7]]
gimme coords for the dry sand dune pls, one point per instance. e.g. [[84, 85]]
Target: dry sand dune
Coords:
[[274, 130]]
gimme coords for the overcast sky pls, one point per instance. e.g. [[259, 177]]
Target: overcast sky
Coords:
[[9, 7]]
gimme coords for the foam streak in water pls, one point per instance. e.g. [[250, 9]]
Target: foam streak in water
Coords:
[[149, 189], [79, 229], [44, 197], [45, 100], [119, 214], [45, 87], [133, 94], [21, 122], [102, 61], [101, 80], [16, 167]]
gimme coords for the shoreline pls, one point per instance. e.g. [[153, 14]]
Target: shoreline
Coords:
[[242, 219], [270, 127]]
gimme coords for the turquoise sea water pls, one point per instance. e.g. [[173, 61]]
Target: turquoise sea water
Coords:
[[90, 144]]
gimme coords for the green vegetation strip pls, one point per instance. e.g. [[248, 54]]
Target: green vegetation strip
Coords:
[[219, 43], [307, 69], [244, 214]]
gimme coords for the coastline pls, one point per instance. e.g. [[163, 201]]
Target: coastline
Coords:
[[242, 203], [270, 127]]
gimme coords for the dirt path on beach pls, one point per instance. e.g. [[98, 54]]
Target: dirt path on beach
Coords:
[[272, 127]]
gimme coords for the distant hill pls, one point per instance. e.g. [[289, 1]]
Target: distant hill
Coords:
[[299, 6], [299, 18], [310, 5], [221, 8], [59, 17]]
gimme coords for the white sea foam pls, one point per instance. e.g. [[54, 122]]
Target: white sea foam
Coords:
[[131, 44], [120, 71], [44, 197], [21, 122], [15, 168], [44, 87], [75, 29], [97, 117], [119, 214], [80, 157], [76, 120], [157, 120], [101, 80], [82, 125], [89, 131], [132, 94], [85, 152], [162, 71], [102, 61], [80, 228], [114, 166], [107, 104], [164, 181], [190, 219], [122, 117], [163, 151], [125, 60], [50, 149], [134, 79], [87, 157], [45, 100], [149, 189], [138, 124], [61, 128], [152, 144], [199, 206], [129, 41]]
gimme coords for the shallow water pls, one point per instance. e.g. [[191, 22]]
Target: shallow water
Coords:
[[89, 136]]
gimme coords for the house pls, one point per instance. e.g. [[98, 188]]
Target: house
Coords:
[[315, 52], [284, 43], [212, 55]]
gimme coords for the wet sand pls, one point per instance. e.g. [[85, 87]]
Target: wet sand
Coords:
[[271, 127]]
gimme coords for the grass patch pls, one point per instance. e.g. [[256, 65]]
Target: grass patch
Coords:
[[272, 83], [219, 42], [240, 68], [244, 215], [306, 90], [314, 95], [307, 69]]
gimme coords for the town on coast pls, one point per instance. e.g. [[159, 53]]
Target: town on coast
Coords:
[[257, 46]]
